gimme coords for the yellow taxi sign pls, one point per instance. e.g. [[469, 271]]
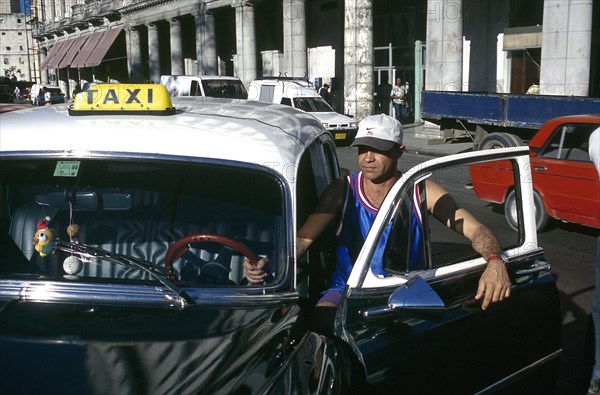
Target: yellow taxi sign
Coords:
[[151, 99]]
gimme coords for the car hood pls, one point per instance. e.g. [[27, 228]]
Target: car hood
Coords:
[[59, 348], [332, 117]]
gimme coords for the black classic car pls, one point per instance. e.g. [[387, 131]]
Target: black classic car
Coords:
[[122, 238]]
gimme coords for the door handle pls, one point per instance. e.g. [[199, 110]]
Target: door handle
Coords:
[[540, 168], [537, 267]]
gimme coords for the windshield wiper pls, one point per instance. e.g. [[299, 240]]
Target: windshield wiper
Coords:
[[88, 252]]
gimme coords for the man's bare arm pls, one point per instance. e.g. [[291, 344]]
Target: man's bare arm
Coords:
[[328, 207], [494, 284]]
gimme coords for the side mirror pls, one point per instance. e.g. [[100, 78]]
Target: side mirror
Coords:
[[415, 294]]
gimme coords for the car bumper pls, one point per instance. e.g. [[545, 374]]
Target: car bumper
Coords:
[[343, 135]]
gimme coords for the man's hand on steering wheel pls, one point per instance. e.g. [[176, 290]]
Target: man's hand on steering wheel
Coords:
[[255, 273]]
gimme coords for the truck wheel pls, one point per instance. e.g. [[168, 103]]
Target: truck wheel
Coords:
[[500, 140], [510, 211], [480, 133], [516, 139]]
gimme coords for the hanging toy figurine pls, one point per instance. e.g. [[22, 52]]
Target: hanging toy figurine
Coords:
[[73, 231], [72, 265], [42, 239]]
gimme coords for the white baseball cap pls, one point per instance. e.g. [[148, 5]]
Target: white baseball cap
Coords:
[[381, 132]]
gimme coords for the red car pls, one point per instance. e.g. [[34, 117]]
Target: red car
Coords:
[[565, 182]]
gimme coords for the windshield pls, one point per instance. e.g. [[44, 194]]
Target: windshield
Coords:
[[128, 213], [312, 104], [233, 89]]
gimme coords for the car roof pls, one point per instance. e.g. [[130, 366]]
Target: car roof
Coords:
[[541, 135], [237, 130], [291, 87], [579, 118]]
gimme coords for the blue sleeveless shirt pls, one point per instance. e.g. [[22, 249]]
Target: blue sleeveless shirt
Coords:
[[356, 219]]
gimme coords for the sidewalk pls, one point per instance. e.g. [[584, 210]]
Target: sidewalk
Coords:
[[418, 142]]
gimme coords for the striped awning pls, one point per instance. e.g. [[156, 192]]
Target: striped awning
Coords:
[[83, 51]]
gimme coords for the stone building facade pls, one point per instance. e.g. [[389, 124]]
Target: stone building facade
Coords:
[[14, 46], [469, 45]]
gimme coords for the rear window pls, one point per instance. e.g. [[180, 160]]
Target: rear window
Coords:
[[232, 89], [134, 211], [312, 104]]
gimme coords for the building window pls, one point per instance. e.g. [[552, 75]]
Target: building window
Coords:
[[5, 60], [21, 60], [20, 33], [8, 48], [18, 20], [20, 47]]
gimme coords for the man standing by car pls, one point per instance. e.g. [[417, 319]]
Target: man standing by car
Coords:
[[353, 203], [398, 97], [47, 96], [324, 92], [382, 99]]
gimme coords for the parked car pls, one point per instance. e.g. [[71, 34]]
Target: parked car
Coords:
[[123, 235], [204, 85], [299, 93], [6, 94], [565, 181], [57, 96]]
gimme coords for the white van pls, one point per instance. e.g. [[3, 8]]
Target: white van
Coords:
[[301, 94], [204, 85], [57, 96]]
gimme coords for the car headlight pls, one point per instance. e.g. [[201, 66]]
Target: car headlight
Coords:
[[325, 125], [353, 124]]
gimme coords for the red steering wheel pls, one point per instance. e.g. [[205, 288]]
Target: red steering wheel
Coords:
[[182, 245]]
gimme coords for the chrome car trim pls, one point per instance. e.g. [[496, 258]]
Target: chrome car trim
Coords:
[[522, 372], [131, 295], [430, 276]]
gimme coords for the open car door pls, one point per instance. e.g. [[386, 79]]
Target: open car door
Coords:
[[419, 329]]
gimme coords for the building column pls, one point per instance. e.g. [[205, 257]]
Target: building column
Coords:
[[358, 58], [134, 56], [176, 47], [294, 38], [153, 53], [43, 73], [50, 10], [61, 10], [210, 60], [245, 41], [566, 48], [444, 45], [206, 48]]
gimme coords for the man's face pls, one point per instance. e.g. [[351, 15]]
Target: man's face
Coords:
[[398, 81], [378, 166]]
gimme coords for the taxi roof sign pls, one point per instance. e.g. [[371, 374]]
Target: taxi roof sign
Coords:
[[149, 99]]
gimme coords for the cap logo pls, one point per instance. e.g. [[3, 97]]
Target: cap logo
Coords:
[[370, 131]]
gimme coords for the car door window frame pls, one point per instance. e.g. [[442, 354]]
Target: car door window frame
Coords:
[[548, 151], [320, 151], [362, 278]]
